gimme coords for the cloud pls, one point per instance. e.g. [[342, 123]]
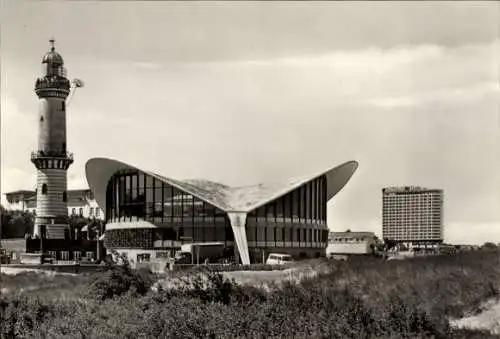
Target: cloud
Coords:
[[173, 31], [147, 65], [460, 94]]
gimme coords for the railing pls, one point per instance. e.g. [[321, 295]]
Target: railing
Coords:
[[52, 83], [64, 262], [49, 154]]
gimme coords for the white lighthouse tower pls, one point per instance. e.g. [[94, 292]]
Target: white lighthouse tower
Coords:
[[52, 159]]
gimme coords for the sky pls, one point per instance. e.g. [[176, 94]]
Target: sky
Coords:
[[245, 92]]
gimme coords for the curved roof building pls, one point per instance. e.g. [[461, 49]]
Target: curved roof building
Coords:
[[148, 214]]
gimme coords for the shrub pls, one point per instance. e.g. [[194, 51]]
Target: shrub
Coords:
[[359, 299], [118, 280]]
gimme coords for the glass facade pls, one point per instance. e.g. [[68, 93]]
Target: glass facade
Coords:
[[133, 196], [297, 219]]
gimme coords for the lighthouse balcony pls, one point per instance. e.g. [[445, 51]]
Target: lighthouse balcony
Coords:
[[52, 82], [52, 160], [51, 155], [52, 86]]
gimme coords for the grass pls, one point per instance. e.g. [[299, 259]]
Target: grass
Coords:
[[47, 286], [366, 298]]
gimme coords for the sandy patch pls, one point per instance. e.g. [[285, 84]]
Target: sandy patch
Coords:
[[263, 279], [488, 319]]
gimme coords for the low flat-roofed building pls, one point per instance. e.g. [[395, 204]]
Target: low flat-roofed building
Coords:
[[17, 200], [81, 202], [349, 242]]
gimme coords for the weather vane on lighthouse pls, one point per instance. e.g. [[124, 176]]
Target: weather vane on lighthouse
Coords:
[[52, 44]]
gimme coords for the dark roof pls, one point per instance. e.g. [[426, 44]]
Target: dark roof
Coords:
[[20, 192]]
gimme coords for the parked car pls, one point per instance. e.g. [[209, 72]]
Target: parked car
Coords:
[[279, 259]]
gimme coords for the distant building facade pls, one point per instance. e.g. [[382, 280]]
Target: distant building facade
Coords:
[[80, 202], [351, 242], [18, 200], [412, 215]]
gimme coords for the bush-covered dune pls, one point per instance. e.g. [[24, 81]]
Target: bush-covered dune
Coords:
[[366, 298]]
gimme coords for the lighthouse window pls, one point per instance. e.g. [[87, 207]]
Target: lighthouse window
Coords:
[[63, 105], [65, 196], [44, 189], [41, 118]]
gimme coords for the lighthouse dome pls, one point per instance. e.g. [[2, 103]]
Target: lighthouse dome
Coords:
[[52, 57]]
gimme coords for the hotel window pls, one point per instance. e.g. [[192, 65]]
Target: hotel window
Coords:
[[44, 189], [73, 211], [64, 255], [53, 255], [91, 212], [89, 255], [81, 211], [97, 211], [65, 196], [77, 255]]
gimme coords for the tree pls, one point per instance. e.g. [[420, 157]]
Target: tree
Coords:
[[76, 222], [389, 244], [489, 246], [15, 224], [5, 217]]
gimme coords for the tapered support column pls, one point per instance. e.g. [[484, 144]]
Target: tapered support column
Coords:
[[238, 222]]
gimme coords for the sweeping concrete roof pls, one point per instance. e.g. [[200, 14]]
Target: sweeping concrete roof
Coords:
[[229, 199]]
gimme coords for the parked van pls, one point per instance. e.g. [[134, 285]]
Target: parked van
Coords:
[[279, 259]]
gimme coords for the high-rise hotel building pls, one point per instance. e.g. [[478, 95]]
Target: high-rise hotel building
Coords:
[[412, 215]]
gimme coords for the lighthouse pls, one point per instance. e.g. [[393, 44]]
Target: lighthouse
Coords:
[[52, 158]]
